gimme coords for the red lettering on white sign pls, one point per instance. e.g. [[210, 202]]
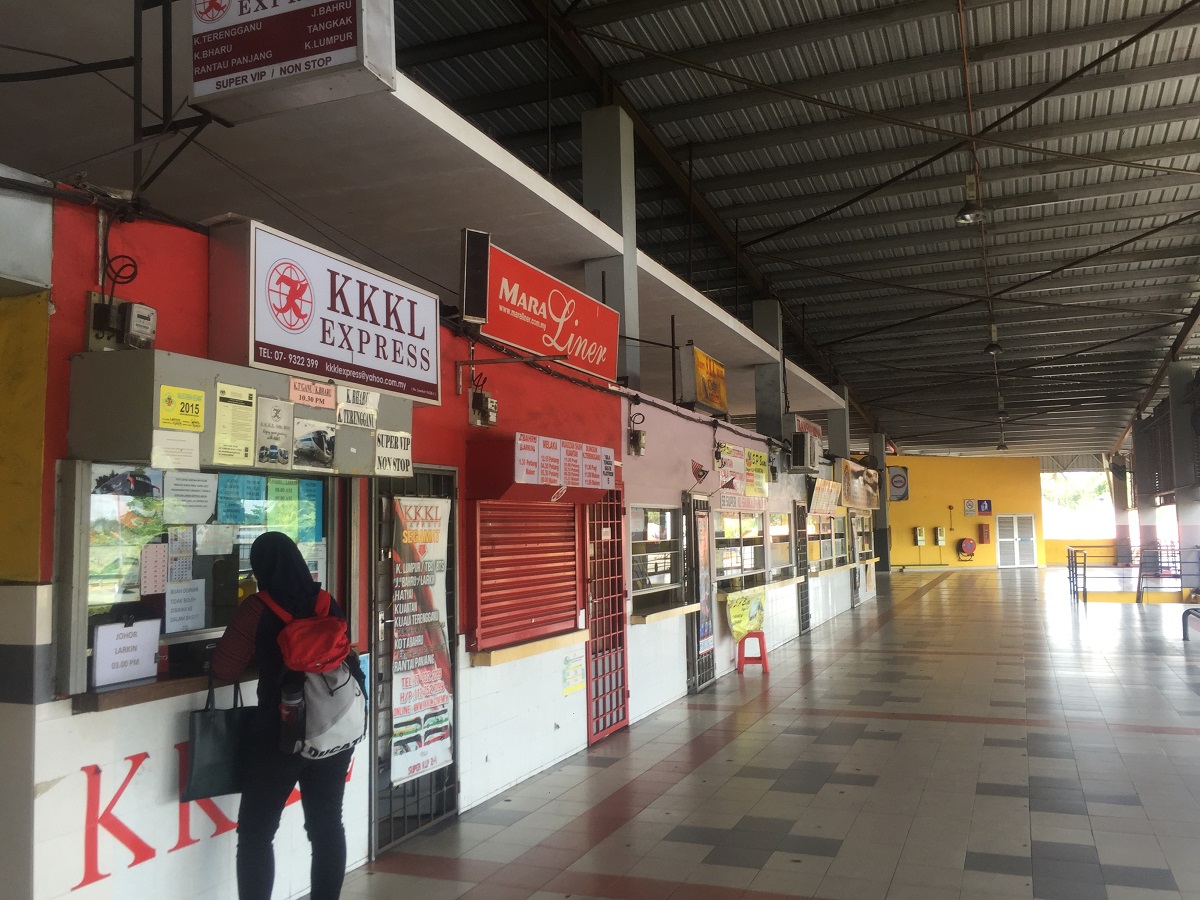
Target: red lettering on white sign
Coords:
[[95, 820]]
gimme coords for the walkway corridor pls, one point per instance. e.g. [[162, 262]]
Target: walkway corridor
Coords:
[[970, 735]]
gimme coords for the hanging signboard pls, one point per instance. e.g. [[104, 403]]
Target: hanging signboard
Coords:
[[254, 57], [531, 311], [897, 483], [422, 679], [704, 382], [315, 314], [826, 497], [860, 485]]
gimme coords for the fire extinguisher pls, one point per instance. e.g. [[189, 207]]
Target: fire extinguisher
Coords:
[[966, 549]]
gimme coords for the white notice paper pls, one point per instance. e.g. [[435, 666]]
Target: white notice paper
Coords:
[[185, 606], [175, 449], [233, 436], [189, 498], [214, 540], [180, 569], [125, 653], [357, 397], [393, 453]]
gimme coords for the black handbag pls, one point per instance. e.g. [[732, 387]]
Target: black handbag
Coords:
[[217, 746]]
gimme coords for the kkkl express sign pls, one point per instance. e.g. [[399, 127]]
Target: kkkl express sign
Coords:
[[529, 310], [322, 315]]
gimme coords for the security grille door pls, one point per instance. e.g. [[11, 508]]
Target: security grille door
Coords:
[[1026, 542], [701, 655], [607, 684], [398, 812], [801, 514]]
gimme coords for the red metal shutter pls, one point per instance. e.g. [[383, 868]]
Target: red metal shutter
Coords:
[[529, 582]]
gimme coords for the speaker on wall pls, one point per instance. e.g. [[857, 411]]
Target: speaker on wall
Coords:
[[476, 248]]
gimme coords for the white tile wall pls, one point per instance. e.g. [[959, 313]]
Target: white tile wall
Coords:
[[657, 665], [829, 595], [149, 806], [515, 720]]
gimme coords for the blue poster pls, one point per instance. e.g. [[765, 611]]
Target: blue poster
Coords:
[[241, 499], [312, 510], [985, 507]]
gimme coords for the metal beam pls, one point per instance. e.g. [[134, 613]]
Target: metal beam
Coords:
[[705, 215], [917, 66], [468, 44], [525, 95]]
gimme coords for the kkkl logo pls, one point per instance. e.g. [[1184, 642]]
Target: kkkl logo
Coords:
[[210, 10], [289, 295], [141, 851]]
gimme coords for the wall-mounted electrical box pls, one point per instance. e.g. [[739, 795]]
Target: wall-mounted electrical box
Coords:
[[939, 535], [985, 533], [919, 536], [115, 324], [483, 409]]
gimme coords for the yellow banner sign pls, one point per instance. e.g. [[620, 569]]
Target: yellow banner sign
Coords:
[[710, 382]]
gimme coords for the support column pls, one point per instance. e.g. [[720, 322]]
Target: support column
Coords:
[[839, 427], [1187, 491], [1119, 479], [880, 519], [769, 403], [1143, 478], [609, 192]]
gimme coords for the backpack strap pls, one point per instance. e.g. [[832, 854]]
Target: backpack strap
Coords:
[[275, 607], [322, 605]]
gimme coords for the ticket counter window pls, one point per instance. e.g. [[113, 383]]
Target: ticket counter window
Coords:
[[175, 546]]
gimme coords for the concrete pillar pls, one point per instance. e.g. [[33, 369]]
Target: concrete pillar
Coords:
[[609, 192], [769, 405], [1187, 492], [839, 428], [880, 519], [1120, 490], [1143, 476]]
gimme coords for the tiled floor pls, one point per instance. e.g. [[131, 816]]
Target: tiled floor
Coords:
[[970, 735]]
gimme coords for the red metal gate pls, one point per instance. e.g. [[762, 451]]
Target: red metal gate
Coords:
[[607, 684]]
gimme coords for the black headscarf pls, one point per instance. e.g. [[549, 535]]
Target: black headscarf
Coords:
[[281, 571]]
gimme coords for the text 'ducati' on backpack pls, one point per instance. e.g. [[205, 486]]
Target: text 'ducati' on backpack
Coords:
[[323, 710]]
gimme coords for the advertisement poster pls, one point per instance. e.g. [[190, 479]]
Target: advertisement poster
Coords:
[[747, 611], [709, 382], [825, 499], [572, 673], [703, 584], [180, 408], [313, 450], [757, 474], [274, 427], [422, 681], [860, 486], [233, 437]]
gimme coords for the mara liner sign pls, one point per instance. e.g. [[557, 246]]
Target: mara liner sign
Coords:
[[529, 310]]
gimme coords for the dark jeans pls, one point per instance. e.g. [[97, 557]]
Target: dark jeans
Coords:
[[270, 777]]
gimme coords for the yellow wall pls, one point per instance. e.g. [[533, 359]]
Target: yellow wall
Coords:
[[24, 335], [1100, 550], [1013, 484]]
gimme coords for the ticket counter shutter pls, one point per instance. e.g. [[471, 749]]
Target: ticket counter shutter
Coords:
[[529, 572]]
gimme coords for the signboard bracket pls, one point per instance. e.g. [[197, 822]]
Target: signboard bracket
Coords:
[[472, 363]]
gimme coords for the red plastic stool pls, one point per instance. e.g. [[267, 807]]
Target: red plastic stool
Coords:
[[760, 660]]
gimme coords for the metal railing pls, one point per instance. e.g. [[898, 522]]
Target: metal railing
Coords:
[[1106, 568]]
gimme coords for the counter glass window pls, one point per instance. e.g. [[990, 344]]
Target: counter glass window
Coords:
[[740, 548], [839, 541], [820, 543], [657, 557], [779, 546], [175, 545]]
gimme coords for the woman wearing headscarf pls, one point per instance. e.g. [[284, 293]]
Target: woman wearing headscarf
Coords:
[[271, 774]]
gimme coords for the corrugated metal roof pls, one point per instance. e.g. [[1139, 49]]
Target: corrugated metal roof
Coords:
[[768, 160]]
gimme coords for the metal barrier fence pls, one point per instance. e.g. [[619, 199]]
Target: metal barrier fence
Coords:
[[1155, 567]]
